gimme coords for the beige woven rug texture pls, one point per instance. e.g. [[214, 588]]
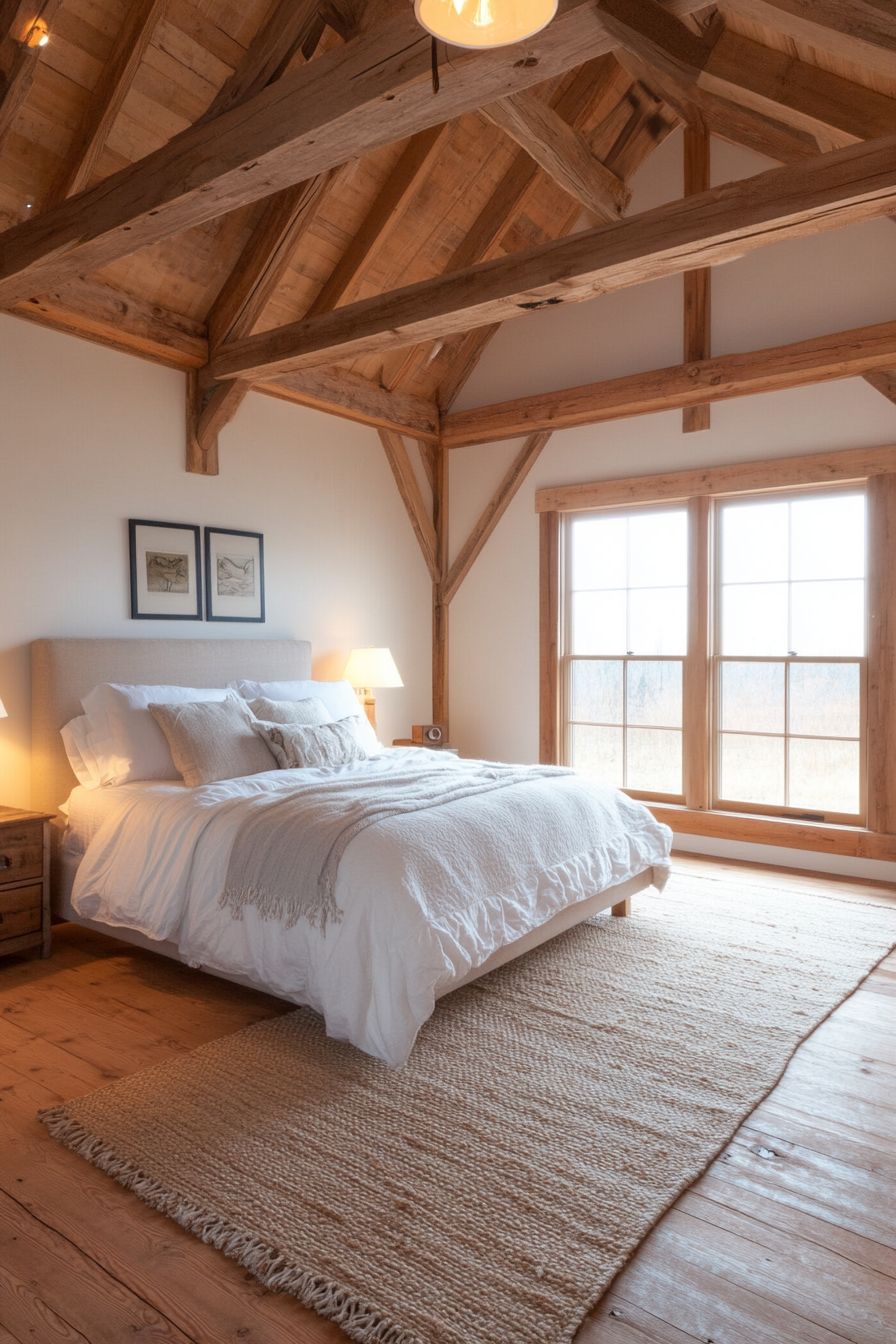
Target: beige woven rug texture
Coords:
[[550, 1113]]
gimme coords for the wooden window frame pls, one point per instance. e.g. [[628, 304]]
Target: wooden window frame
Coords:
[[875, 470]]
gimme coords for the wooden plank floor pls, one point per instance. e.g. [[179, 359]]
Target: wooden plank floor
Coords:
[[790, 1237]]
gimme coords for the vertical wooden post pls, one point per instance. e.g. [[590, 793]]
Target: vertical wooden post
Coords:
[[881, 709], [698, 665], [549, 638], [697, 329], [439, 605]]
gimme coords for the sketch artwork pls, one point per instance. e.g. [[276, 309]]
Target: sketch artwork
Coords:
[[235, 575], [167, 573]]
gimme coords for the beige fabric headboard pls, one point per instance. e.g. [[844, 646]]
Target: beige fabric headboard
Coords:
[[63, 670]]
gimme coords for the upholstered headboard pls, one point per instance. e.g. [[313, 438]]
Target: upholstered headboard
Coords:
[[64, 670]]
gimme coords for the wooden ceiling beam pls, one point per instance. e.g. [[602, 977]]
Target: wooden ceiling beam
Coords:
[[860, 31], [370, 92], [346, 394], [847, 354], [382, 217], [17, 60], [141, 20], [99, 312], [844, 187], [562, 153], [648, 30]]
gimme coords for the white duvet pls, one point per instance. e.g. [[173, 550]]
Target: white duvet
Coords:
[[409, 926]]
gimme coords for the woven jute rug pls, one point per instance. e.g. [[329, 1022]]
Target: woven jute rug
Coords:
[[550, 1113]]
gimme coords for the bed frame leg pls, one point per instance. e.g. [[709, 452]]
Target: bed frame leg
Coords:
[[623, 908]]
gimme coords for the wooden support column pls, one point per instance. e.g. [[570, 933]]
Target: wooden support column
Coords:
[[881, 710], [698, 666], [697, 339], [883, 381], [412, 498], [439, 605]]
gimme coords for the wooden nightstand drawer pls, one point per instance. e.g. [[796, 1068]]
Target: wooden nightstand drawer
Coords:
[[20, 911], [21, 852]]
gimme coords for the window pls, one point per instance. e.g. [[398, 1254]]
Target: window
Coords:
[[710, 649]]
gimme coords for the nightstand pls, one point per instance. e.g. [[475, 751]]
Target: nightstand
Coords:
[[24, 881], [430, 746]]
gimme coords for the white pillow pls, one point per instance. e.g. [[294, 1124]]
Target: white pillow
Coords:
[[126, 742], [80, 757], [338, 696], [311, 712]]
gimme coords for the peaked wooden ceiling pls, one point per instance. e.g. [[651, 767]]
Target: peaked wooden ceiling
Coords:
[[273, 195]]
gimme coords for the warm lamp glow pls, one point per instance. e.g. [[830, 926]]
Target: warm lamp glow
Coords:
[[38, 35], [484, 23], [369, 668], [3, 713]]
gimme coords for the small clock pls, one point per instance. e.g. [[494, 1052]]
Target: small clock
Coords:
[[428, 734]]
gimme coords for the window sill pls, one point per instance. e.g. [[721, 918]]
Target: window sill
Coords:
[[761, 830]]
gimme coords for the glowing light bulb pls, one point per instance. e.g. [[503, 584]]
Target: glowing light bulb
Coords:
[[38, 35], [484, 23]]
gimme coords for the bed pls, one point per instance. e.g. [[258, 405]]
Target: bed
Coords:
[[399, 943]]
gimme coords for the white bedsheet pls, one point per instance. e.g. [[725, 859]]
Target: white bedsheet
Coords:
[[158, 861]]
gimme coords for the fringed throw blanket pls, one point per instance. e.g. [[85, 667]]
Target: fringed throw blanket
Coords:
[[287, 850]]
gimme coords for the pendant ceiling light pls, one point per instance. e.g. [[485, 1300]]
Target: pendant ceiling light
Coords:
[[484, 23]]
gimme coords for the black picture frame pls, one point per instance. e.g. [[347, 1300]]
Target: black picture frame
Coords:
[[234, 575], [166, 570]]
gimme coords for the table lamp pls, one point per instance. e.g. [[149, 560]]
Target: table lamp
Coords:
[[367, 670]]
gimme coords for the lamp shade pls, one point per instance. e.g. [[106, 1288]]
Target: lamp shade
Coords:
[[484, 23], [372, 667], [3, 713]]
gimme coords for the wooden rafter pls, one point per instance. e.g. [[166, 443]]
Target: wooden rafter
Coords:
[[292, 25], [141, 20], [846, 354], [369, 92], [561, 152], [18, 59], [697, 284], [844, 187], [494, 511], [862, 32], [721, 117], [834, 110], [412, 498], [382, 217]]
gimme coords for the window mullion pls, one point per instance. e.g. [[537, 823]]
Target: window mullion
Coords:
[[697, 665]]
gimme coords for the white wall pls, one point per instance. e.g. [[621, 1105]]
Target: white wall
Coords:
[[787, 292], [90, 438]]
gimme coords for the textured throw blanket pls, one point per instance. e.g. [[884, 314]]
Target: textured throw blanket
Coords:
[[287, 850]]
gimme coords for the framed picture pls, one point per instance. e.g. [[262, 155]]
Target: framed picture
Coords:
[[166, 581], [234, 575]]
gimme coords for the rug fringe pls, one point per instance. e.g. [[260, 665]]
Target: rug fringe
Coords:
[[360, 1322]]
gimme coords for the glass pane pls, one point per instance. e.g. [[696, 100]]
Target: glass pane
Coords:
[[598, 752], [654, 694], [754, 542], [824, 698], [598, 553], [596, 693], [753, 697], [658, 620], [824, 776], [754, 619], [653, 760], [752, 769], [598, 622], [828, 618], [658, 549], [828, 538]]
